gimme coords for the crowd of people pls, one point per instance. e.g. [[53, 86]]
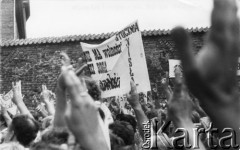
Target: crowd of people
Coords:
[[205, 96]]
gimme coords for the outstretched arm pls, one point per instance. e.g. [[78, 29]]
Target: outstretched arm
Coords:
[[180, 109], [133, 99], [45, 97], [82, 116], [18, 99], [61, 100]]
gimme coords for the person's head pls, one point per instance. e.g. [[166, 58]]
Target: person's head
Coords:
[[25, 129], [116, 142], [124, 130], [127, 118], [55, 136], [152, 113], [93, 89]]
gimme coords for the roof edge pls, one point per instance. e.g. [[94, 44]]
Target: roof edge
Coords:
[[89, 37]]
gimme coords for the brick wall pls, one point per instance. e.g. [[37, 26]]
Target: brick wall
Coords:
[[39, 64]]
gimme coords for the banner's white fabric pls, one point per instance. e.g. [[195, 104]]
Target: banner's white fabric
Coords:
[[117, 61], [173, 65]]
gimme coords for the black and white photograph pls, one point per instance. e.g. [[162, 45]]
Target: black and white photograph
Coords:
[[119, 74]]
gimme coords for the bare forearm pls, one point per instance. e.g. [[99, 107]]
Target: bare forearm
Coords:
[[50, 108], [59, 120], [23, 109], [141, 118], [7, 118]]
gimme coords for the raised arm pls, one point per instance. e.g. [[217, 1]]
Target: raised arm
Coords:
[[82, 115], [18, 99], [6, 116], [180, 109], [166, 86], [61, 100], [45, 97], [133, 99]]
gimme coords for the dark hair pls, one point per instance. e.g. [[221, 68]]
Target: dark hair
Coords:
[[25, 128], [55, 135], [116, 142], [127, 118], [152, 113], [93, 89], [121, 129]]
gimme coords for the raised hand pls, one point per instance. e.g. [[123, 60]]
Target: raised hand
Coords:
[[18, 99], [82, 115], [133, 100], [180, 109], [211, 75], [133, 97], [180, 105], [166, 86], [61, 100], [17, 93], [65, 60], [45, 94], [80, 67]]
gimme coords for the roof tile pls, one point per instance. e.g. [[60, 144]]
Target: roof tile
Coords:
[[73, 38]]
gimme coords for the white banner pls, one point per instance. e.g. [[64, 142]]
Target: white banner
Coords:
[[118, 60], [6, 102], [174, 65]]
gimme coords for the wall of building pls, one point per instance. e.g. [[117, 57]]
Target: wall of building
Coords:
[[7, 19], [37, 64]]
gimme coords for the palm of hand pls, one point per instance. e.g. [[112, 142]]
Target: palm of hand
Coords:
[[212, 76], [45, 95]]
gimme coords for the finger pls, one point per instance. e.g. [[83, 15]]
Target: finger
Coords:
[[128, 97], [170, 89], [42, 87], [184, 47], [224, 17], [133, 87], [178, 86], [80, 70], [83, 86], [80, 61], [195, 82], [65, 59], [13, 85], [20, 85], [224, 35], [71, 81], [167, 77]]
